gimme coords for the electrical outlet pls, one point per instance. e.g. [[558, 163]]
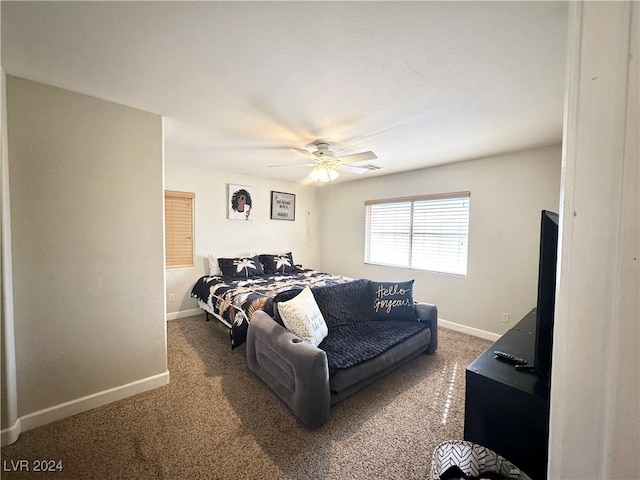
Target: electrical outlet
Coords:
[[172, 298], [505, 317]]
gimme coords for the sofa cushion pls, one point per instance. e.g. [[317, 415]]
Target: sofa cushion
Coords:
[[345, 303], [392, 301], [340, 304], [346, 381], [302, 316], [349, 345]]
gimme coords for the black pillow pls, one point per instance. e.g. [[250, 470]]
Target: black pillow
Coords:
[[278, 263], [242, 267], [343, 303], [340, 304], [392, 301]]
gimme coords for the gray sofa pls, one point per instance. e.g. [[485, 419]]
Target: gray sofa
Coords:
[[357, 351]]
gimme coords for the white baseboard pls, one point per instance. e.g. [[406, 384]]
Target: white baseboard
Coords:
[[184, 313], [476, 332], [67, 409], [11, 434]]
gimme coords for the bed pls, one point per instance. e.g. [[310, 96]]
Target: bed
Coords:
[[233, 300]]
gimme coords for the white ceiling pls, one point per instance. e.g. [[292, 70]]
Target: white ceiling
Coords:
[[419, 83]]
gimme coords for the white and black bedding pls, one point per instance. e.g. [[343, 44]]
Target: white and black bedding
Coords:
[[232, 300]]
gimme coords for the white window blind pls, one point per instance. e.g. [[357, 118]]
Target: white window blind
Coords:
[[426, 233], [178, 225]]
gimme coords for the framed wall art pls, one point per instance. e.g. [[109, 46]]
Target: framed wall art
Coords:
[[283, 206], [241, 200]]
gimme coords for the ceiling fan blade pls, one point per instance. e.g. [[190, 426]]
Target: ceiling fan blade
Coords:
[[358, 157], [294, 165], [306, 153], [354, 169]]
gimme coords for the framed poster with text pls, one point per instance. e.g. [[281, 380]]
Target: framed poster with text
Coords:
[[283, 206]]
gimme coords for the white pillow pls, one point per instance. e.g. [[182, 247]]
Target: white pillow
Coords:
[[302, 316], [214, 268]]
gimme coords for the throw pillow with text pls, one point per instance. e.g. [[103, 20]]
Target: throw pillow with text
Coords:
[[392, 301]]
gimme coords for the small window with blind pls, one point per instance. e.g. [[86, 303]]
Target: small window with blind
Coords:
[[178, 213], [429, 232]]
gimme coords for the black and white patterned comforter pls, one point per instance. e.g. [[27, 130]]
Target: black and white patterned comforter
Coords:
[[235, 299]]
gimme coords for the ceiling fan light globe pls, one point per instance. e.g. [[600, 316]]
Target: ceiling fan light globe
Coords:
[[323, 173]]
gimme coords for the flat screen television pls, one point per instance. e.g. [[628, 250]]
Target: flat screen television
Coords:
[[546, 292]]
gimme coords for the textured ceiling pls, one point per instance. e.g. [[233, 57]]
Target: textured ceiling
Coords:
[[419, 83]]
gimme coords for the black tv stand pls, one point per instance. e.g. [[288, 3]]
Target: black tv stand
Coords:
[[507, 408]]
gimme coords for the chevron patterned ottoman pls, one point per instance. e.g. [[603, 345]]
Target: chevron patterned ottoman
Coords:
[[473, 460]]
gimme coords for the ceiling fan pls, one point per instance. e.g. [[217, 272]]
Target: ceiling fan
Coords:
[[326, 164]]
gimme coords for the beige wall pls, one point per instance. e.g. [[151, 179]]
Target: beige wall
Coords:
[[86, 180], [507, 194], [215, 234]]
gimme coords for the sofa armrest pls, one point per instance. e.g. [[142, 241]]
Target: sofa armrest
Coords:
[[428, 313], [295, 370]]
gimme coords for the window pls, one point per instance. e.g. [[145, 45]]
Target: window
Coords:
[[429, 232], [178, 228]]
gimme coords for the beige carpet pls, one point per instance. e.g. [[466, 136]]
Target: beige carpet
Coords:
[[216, 420]]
